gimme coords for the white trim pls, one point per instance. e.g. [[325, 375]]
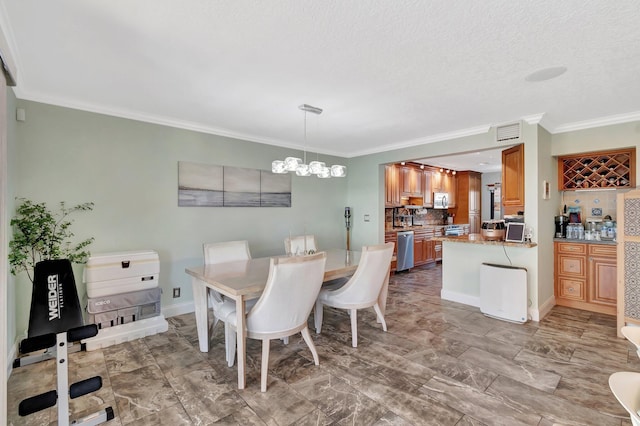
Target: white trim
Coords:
[[178, 309], [13, 354], [7, 47], [426, 140], [598, 122], [533, 119], [4, 247], [543, 310], [465, 299]]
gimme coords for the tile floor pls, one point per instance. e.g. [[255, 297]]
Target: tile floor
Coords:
[[440, 363]]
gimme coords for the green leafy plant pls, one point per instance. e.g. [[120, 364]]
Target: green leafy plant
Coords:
[[40, 234]]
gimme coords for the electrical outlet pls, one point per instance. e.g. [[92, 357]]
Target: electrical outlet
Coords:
[[176, 292]]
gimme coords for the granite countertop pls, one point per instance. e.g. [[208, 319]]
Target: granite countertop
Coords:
[[602, 242], [479, 239]]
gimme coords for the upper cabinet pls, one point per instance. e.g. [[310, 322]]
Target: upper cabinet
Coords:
[[411, 182], [513, 179], [391, 185], [444, 182], [426, 186], [598, 170]]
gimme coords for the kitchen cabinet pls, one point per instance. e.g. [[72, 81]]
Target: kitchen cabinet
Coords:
[[423, 247], [411, 181], [467, 208], [597, 170], [444, 182], [513, 179], [391, 185], [427, 199], [392, 237], [585, 276]]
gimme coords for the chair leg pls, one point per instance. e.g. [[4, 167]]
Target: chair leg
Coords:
[[265, 364], [354, 327], [307, 338], [376, 307], [317, 316], [285, 340], [230, 344]]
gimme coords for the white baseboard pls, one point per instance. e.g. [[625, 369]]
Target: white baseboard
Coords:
[[178, 309], [544, 309], [12, 355], [460, 298]]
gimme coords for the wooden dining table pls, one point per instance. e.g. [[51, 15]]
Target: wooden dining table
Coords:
[[246, 279]]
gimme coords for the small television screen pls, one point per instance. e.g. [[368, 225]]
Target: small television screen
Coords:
[[515, 232]]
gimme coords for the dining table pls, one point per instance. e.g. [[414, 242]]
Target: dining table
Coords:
[[246, 279]]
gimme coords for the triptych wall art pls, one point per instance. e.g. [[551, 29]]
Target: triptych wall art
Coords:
[[205, 185]]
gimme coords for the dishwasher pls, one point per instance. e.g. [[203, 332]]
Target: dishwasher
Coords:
[[405, 251]]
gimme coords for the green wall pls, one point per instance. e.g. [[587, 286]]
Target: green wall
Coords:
[[129, 170]]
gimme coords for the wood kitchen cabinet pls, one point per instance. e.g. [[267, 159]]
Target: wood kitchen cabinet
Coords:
[[445, 182], [392, 237], [513, 179], [468, 200], [427, 199], [585, 276], [391, 185], [423, 247], [411, 181]]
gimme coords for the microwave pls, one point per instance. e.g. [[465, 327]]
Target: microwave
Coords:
[[440, 200]]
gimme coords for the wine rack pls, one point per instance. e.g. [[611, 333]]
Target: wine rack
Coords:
[[597, 170]]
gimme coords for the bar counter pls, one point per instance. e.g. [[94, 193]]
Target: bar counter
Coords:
[[479, 239]]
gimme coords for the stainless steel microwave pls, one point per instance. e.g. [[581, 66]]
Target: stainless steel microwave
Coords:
[[440, 200]]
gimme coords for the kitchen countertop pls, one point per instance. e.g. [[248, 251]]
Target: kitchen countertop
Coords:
[[421, 227], [602, 242], [479, 239]]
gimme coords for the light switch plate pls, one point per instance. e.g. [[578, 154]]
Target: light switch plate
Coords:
[[596, 211]]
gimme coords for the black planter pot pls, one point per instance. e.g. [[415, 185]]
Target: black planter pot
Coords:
[[54, 301]]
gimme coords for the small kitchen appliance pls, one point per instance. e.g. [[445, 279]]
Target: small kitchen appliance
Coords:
[[561, 226], [493, 230]]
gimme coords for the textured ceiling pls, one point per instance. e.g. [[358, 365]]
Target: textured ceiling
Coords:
[[386, 73]]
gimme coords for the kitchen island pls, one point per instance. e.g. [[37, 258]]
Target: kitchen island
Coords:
[[461, 260]]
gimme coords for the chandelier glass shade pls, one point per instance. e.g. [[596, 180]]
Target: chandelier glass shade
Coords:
[[300, 166]]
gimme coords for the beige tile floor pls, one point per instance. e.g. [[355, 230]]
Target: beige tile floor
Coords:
[[440, 363]]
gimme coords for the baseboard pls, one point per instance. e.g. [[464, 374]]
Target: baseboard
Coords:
[[543, 310], [465, 299], [12, 355], [178, 309]]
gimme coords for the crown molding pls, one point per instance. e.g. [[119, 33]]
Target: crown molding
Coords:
[[7, 48], [427, 140], [533, 119], [597, 122]]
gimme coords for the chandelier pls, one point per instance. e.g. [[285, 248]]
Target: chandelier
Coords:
[[318, 168]]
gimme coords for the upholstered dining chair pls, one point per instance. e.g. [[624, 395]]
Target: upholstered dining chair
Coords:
[[632, 334], [625, 386], [215, 253], [300, 243], [362, 289], [284, 307]]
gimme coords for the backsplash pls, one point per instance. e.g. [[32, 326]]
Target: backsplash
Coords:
[[421, 217], [589, 200]]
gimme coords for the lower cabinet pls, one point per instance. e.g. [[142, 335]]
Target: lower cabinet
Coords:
[[585, 276], [423, 250], [392, 237]]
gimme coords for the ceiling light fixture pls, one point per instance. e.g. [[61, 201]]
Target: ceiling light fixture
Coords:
[[295, 164]]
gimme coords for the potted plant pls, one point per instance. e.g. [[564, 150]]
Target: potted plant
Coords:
[[42, 247]]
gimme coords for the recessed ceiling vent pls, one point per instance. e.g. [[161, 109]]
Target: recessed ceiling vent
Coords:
[[508, 132]]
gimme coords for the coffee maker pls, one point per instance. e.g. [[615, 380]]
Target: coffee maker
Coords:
[[561, 226]]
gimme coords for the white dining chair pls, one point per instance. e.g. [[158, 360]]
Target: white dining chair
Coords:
[[632, 334], [625, 386], [299, 244], [362, 289], [223, 252], [284, 307]]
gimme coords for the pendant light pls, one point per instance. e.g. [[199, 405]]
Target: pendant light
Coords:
[[300, 166]]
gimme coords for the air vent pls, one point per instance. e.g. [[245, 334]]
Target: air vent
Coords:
[[508, 132]]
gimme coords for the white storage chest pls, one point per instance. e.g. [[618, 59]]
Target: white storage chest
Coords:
[[106, 274]]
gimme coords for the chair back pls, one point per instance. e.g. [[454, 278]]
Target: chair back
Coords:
[[625, 386], [289, 295], [298, 244], [365, 284], [228, 251]]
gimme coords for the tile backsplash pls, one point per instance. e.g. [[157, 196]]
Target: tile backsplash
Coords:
[[589, 203]]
